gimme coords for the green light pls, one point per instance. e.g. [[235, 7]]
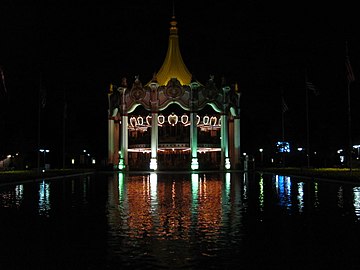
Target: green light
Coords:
[[153, 189], [227, 182], [227, 163], [121, 164], [194, 187], [194, 164], [227, 185], [121, 185], [153, 164]]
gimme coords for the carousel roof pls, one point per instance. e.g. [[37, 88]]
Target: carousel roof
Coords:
[[173, 66], [173, 84]]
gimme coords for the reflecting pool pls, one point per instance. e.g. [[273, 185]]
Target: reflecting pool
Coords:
[[180, 221]]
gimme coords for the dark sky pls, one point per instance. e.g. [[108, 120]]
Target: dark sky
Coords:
[[79, 48]]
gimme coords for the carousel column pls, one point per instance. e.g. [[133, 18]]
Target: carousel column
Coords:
[[193, 141], [123, 162], [194, 99], [154, 141], [225, 160], [110, 141], [237, 141], [112, 131], [231, 139], [116, 143], [236, 131]]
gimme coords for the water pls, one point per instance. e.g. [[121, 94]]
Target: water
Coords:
[[180, 221]]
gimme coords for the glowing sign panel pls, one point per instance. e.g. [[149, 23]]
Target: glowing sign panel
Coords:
[[283, 147]]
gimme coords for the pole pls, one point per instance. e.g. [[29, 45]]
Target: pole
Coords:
[[307, 125], [64, 133], [283, 130], [349, 128], [39, 126], [350, 79]]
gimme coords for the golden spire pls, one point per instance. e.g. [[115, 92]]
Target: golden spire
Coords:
[[173, 66]]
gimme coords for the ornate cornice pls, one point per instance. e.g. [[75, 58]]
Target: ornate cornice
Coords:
[[193, 97]]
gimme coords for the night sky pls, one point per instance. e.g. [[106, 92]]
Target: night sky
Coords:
[[75, 50]]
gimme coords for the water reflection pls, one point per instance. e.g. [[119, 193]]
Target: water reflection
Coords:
[[340, 196], [172, 201], [194, 188], [169, 207], [300, 196], [187, 220], [261, 193], [207, 213], [283, 188], [227, 184], [316, 194], [245, 184], [44, 198], [12, 197], [209, 206], [153, 189], [356, 191]]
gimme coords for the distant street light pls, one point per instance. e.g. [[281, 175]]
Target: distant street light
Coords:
[[261, 156], [44, 151], [342, 158], [358, 150]]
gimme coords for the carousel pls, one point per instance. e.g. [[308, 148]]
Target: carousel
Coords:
[[174, 122]]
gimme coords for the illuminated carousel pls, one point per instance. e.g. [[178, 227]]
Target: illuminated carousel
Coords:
[[174, 122]]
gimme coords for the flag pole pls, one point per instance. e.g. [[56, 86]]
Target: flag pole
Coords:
[[283, 125], [39, 126], [64, 133], [349, 126], [350, 79], [307, 123], [283, 108]]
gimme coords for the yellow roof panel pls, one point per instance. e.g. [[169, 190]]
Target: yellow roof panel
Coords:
[[173, 66]]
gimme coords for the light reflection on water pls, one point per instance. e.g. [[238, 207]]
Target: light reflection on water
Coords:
[[44, 198], [186, 221], [356, 191], [283, 188], [300, 196], [12, 197]]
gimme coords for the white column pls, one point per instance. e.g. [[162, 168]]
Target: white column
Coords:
[[116, 143], [154, 141], [237, 152], [231, 140], [225, 161], [193, 141], [110, 141], [123, 161]]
